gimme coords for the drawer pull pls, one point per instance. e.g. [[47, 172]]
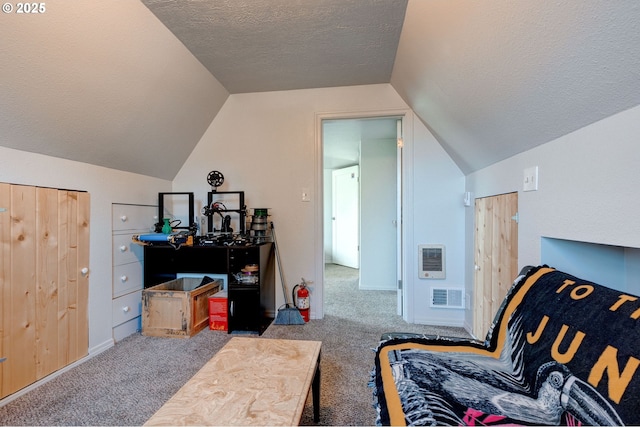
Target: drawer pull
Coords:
[[123, 218], [123, 279], [126, 309], [123, 248]]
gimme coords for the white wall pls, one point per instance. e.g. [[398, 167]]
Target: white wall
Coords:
[[438, 215], [105, 186], [586, 189], [265, 144]]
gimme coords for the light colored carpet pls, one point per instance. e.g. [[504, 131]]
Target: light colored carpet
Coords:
[[126, 384]]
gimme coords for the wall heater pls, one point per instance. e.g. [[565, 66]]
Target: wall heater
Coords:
[[431, 262]]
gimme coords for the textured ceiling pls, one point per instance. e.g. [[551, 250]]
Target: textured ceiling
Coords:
[[495, 78], [489, 79], [104, 83], [133, 85], [269, 45]]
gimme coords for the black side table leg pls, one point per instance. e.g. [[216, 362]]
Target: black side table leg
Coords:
[[315, 391]]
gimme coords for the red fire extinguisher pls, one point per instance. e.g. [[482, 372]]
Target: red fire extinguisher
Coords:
[[301, 299]]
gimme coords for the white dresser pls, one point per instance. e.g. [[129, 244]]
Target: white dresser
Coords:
[[127, 283]]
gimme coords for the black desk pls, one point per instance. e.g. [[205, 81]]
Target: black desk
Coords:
[[250, 307]]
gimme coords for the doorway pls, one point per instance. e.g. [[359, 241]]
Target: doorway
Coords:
[[361, 179]]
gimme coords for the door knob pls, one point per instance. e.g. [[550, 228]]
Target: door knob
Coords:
[[84, 271]]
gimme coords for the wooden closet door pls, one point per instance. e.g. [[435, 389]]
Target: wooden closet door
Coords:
[[5, 295], [496, 256], [73, 287], [18, 287], [44, 244], [47, 281]]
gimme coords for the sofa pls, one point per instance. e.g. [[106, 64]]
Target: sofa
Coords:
[[561, 351]]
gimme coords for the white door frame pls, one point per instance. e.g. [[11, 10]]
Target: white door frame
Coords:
[[408, 263], [399, 225]]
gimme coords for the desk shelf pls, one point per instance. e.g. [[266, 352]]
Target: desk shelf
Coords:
[[250, 306]]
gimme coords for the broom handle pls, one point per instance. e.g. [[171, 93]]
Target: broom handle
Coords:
[[275, 243]]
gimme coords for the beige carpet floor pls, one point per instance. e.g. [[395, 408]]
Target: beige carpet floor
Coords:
[[126, 384]]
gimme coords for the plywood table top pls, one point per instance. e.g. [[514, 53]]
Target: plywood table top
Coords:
[[250, 381]]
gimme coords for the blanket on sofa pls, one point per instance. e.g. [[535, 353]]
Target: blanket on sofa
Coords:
[[562, 350]]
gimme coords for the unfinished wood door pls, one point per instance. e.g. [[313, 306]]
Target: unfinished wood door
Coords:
[[44, 246], [496, 256]]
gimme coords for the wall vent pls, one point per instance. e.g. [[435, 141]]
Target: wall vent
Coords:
[[447, 298], [431, 262]]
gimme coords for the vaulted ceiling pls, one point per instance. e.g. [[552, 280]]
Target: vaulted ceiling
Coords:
[[489, 79], [267, 45]]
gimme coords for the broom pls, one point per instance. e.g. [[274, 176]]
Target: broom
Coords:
[[287, 314]]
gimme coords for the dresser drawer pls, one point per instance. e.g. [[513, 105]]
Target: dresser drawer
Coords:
[[126, 278], [125, 251], [133, 217], [127, 307], [120, 332]]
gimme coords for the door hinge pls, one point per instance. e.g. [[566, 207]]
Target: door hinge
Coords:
[[400, 284], [516, 218]]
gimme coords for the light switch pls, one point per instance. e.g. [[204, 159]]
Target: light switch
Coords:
[[306, 196], [530, 180]]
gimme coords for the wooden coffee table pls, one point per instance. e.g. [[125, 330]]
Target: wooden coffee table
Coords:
[[250, 381]]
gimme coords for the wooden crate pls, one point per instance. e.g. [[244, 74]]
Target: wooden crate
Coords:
[[178, 308]]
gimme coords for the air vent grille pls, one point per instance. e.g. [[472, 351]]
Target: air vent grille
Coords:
[[447, 298]]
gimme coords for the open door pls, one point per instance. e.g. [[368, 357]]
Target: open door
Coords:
[[496, 256], [346, 216]]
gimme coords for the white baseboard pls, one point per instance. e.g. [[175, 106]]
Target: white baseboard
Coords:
[[94, 351], [106, 345], [369, 288], [433, 322]]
